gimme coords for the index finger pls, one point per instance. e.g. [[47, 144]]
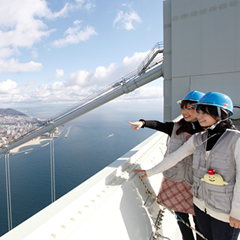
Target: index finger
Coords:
[[139, 171]]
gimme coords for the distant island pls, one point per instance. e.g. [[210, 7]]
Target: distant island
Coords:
[[14, 124]]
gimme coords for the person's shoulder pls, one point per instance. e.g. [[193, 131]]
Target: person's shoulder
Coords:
[[196, 137], [233, 132]]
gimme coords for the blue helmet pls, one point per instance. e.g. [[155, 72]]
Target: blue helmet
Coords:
[[218, 100], [193, 96]]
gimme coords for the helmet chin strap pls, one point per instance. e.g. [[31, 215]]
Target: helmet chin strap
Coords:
[[214, 125], [219, 112], [192, 122]]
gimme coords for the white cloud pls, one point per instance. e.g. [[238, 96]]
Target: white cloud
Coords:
[[22, 24], [57, 85], [89, 6], [63, 12], [79, 78], [134, 60], [34, 53], [8, 86], [86, 4], [13, 65], [75, 35], [83, 83], [78, 86], [59, 73], [146, 93], [7, 52], [103, 76], [127, 19]]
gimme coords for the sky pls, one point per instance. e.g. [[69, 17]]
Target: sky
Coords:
[[53, 53]]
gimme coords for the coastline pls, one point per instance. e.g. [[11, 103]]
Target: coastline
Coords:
[[35, 141]]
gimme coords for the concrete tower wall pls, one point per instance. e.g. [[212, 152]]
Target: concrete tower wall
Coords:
[[201, 50]]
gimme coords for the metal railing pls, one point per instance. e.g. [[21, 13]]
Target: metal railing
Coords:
[[151, 58]]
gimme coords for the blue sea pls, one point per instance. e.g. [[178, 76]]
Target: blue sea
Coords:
[[92, 144]]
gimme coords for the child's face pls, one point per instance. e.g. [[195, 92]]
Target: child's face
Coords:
[[204, 119], [188, 113]]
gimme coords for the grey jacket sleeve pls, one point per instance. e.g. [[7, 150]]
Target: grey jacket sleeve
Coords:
[[235, 211], [172, 159]]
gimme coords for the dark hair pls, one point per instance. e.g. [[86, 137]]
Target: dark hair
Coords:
[[184, 126], [210, 110], [213, 112], [184, 103]]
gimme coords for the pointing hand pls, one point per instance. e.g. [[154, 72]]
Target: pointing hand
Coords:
[[136, 125]]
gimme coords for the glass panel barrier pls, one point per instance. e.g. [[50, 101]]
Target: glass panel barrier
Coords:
[[48, 167], [8, 192], [52, 164], [29, 187]]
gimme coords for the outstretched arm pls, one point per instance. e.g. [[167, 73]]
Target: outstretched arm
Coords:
[[171, 160], [166, 127]]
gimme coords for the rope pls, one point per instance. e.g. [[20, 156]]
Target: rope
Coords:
[[172, 212], [147, 191], [181, 220]]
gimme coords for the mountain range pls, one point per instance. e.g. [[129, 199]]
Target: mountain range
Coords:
[[11, 112]]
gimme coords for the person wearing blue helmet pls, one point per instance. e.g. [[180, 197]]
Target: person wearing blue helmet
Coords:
[[216, 168], [175, 189], [193, 96]]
